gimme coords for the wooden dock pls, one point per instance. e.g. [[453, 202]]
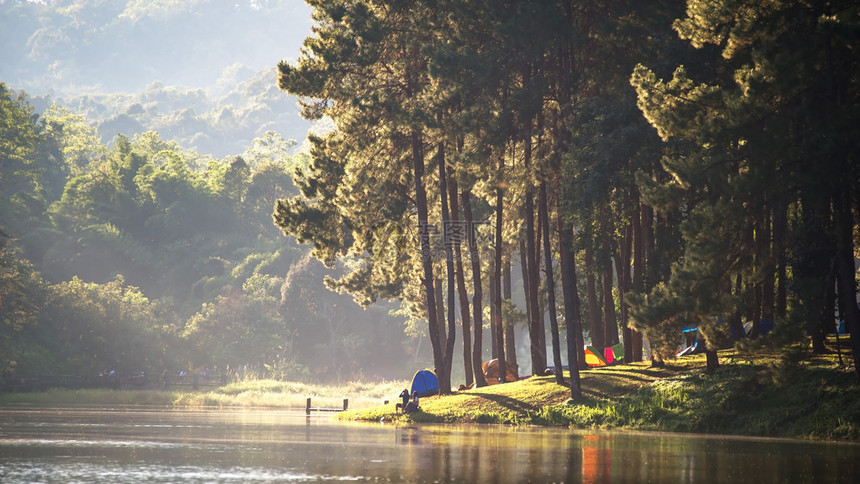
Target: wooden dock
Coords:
[[309, 408]]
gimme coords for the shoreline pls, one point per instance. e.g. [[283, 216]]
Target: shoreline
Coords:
[[749, 395], [754, 395]]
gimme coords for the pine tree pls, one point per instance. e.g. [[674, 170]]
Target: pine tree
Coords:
[[766, 125]]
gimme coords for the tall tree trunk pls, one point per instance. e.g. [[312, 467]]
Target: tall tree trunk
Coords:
[[610, 324], [494, 321], [756, 311], [458, 234], [594, 326], [440, 319], [737, 326], [768, 281], [847, 283], [524, 267], [648, 273], [626, 282], [510, 333], [550, 284], [538, 358], [477, 309], [712, 361], [575, 339], [573, 321], [831, 298], [426, 255], [815, 257], [846, 183], [497, 275], [541, 327], [754, 291], [780, 229], [449, 268]]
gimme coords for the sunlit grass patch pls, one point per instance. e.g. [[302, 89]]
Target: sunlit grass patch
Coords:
[[246, 393], [284, 394], [763, 393]]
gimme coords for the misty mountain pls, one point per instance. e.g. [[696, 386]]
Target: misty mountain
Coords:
[[220, 120], [201, 73], [69, 47]]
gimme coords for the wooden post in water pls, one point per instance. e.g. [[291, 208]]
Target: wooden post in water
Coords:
[[308, 407]]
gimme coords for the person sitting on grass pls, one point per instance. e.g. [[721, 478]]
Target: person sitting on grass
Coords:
[[404, 397], [413, 405]]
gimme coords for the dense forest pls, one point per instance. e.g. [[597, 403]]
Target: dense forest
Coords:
[[634, 169], [694, 163]]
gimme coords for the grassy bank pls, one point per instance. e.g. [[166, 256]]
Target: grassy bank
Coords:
[[790, 394], [242, 394], [761, 395], [280, 394]]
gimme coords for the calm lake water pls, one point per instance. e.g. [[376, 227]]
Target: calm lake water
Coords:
[[118, 445]]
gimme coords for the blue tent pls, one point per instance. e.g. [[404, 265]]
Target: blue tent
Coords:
[[694, 342], [425, 383]]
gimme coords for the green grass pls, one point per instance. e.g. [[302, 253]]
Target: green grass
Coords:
[[246, 393], [762, 395], [281, 394]]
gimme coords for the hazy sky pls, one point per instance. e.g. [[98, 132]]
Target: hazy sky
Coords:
[[110, 47]]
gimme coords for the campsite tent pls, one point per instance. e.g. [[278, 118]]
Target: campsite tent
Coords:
[[613, 354], [491, 371], [694, 342], [610, 355], [692, 349], [593, 357], [425, 383]]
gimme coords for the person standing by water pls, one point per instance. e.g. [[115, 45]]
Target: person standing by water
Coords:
[[404, 397]]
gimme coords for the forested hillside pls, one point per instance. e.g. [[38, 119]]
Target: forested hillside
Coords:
[[139, 174], [219, 120], [144, 256]]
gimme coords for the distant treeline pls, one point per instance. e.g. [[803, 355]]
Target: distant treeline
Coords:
[[142, 256]]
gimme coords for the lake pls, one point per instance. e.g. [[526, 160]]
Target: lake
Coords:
[[134, 444]]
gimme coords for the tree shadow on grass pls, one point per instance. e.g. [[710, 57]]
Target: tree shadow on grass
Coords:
[[591, 396], [625, 375], [509, 403]]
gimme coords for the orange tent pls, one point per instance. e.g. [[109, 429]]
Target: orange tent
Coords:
[[491, 371], [593, 357]]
